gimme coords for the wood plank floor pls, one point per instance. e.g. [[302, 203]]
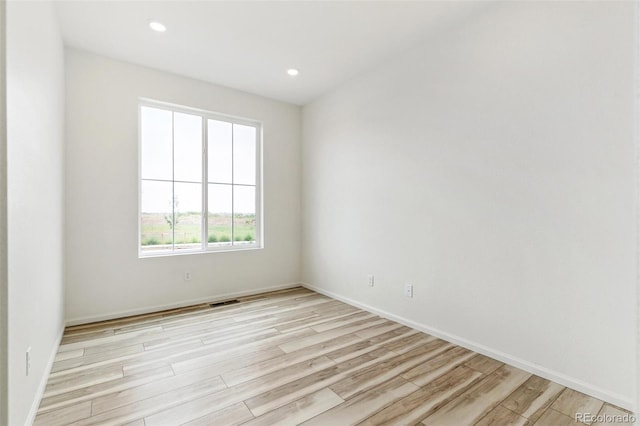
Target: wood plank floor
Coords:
[[286, 358]]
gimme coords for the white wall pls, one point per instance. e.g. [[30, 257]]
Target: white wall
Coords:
[[35, 122], [491, 166], [105, 277], [4, 379]]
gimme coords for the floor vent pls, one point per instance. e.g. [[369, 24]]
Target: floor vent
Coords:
[[226, 302]]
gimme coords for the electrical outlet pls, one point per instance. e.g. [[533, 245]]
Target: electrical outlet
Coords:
[[187, 276], [371, 280], [27, 360], [408, 290]]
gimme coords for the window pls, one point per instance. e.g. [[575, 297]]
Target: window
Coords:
[[199, 181]]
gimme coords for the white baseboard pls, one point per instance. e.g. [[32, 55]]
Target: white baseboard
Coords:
[[43, 380], [525, 365], [181, 304]]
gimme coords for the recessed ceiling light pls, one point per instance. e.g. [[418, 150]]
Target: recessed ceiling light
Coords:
[[157, 26], [293, 72]]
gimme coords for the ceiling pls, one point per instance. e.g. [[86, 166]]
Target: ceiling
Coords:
[[250, 45]]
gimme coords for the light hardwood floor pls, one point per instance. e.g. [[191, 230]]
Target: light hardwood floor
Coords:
[[285, 358]]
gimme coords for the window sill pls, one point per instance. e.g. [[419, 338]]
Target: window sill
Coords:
[[143, 255]]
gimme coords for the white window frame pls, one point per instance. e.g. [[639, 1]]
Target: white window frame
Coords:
[[205, 246]]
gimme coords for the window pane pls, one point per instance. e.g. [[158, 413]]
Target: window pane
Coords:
[[244, 154], [219, 135], [244, 214], [156, 216], [188, 215], [187, 147], [156, 150], [219, 214]]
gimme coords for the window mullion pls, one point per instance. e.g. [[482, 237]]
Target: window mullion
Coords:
[[173, 182], [233, 191], [258, 188], [205, 184]]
